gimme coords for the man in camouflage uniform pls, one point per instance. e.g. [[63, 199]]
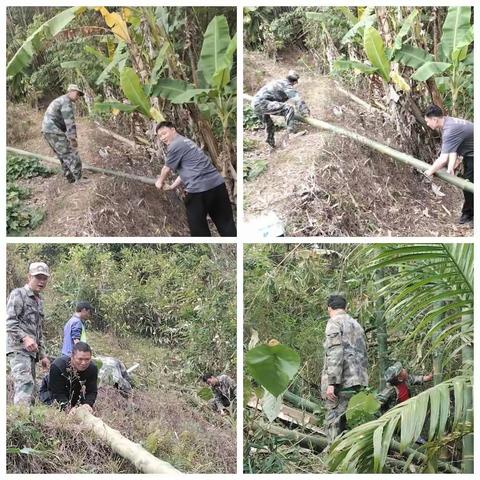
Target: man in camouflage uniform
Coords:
[[271, 100], [60, 132], [345, 364], [24, 333], [224, 389], [113, 372], [398, 385]]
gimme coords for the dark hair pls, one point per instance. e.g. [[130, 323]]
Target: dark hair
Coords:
[[206, 376], [433, 111], [165, 123], [336, 302], [81, 347], [83, 305]]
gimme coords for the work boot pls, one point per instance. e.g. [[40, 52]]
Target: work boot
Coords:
[[271, 140], [465, 218]]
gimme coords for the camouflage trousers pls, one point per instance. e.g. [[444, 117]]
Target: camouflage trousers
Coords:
[[335, 421], [69, 158], [265, 108], [22, 367]]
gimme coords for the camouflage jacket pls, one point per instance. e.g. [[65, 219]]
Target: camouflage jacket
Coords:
[[113, 372], [226, 389], [388, 397], [60, 117], [278, 91], [345, 362], [24, 318]]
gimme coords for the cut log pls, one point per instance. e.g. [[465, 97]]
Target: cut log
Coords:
[[135, 453], [380, 147], [85, 166], [312, 442], [118, 137]]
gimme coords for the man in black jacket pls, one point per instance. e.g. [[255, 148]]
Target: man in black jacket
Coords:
[[72, 381]]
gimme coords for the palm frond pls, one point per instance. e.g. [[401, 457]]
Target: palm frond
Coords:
[[366, 447]]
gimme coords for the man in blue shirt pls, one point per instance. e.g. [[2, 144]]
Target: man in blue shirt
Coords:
[[74, 330]]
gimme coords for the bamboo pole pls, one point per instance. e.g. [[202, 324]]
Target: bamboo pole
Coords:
[[313, 442], [380, 147], [134, 452], [300, 402], [85, 166]]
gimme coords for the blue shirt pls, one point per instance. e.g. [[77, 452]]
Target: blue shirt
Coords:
[[73, 330]]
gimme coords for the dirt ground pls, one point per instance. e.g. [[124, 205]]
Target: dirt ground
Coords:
[[322, 184], [100, 205]]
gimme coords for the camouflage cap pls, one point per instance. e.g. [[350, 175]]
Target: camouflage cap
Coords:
[[72, 87], [38, 268], [292, 76], [392, 371]]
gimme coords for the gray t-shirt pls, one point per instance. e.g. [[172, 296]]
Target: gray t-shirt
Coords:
[[192, 165], [457, 136]]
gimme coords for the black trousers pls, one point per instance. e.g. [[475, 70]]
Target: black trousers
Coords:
[[468, 174], [216, 203]]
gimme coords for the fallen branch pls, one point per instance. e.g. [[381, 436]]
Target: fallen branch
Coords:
[[91, 168], [362, 103], [134, 452], [380, 147], [300, 402], [118, 137]]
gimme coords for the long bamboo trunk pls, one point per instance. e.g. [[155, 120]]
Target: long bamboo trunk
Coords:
[[381, 329], [313, 442], [380, 147], [134, 452], [467, 358], [437, 354], [300, 402], [91, 168]]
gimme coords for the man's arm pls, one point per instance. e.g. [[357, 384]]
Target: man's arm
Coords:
[[419, 379], [69, 119], [57, 385], [174, 185], [91, 387], [439, 163], [452, 162], [14, 310], [333, 357], [163, 175], [76, 332]]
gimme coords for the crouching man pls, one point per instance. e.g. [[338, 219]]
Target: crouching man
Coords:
[[224, 390], [72, 381]]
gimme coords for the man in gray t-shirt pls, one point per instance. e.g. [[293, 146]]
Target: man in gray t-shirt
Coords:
[[206, 193], [457, 144]]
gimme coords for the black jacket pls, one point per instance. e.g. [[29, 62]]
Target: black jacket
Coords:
[[66, 386]]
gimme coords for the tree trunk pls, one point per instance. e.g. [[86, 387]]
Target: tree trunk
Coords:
[[134, 452], [381, 329], [380, 147], [467, 360]]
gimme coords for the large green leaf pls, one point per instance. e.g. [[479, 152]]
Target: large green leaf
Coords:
[[456, 30], [367, 19], [273, 367], [375, 50], [430, 69], [133, 90], [221, 77], [407, 24], [413, 56], [119, 56], [361, 409], [216, 41], [107, 106], [342, 65], [35, 41], [176, 91]]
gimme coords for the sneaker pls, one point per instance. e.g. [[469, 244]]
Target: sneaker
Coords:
[[465, 218]]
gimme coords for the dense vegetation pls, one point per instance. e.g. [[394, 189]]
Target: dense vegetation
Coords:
[[179, 296], [137, 66], [415, 303]]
